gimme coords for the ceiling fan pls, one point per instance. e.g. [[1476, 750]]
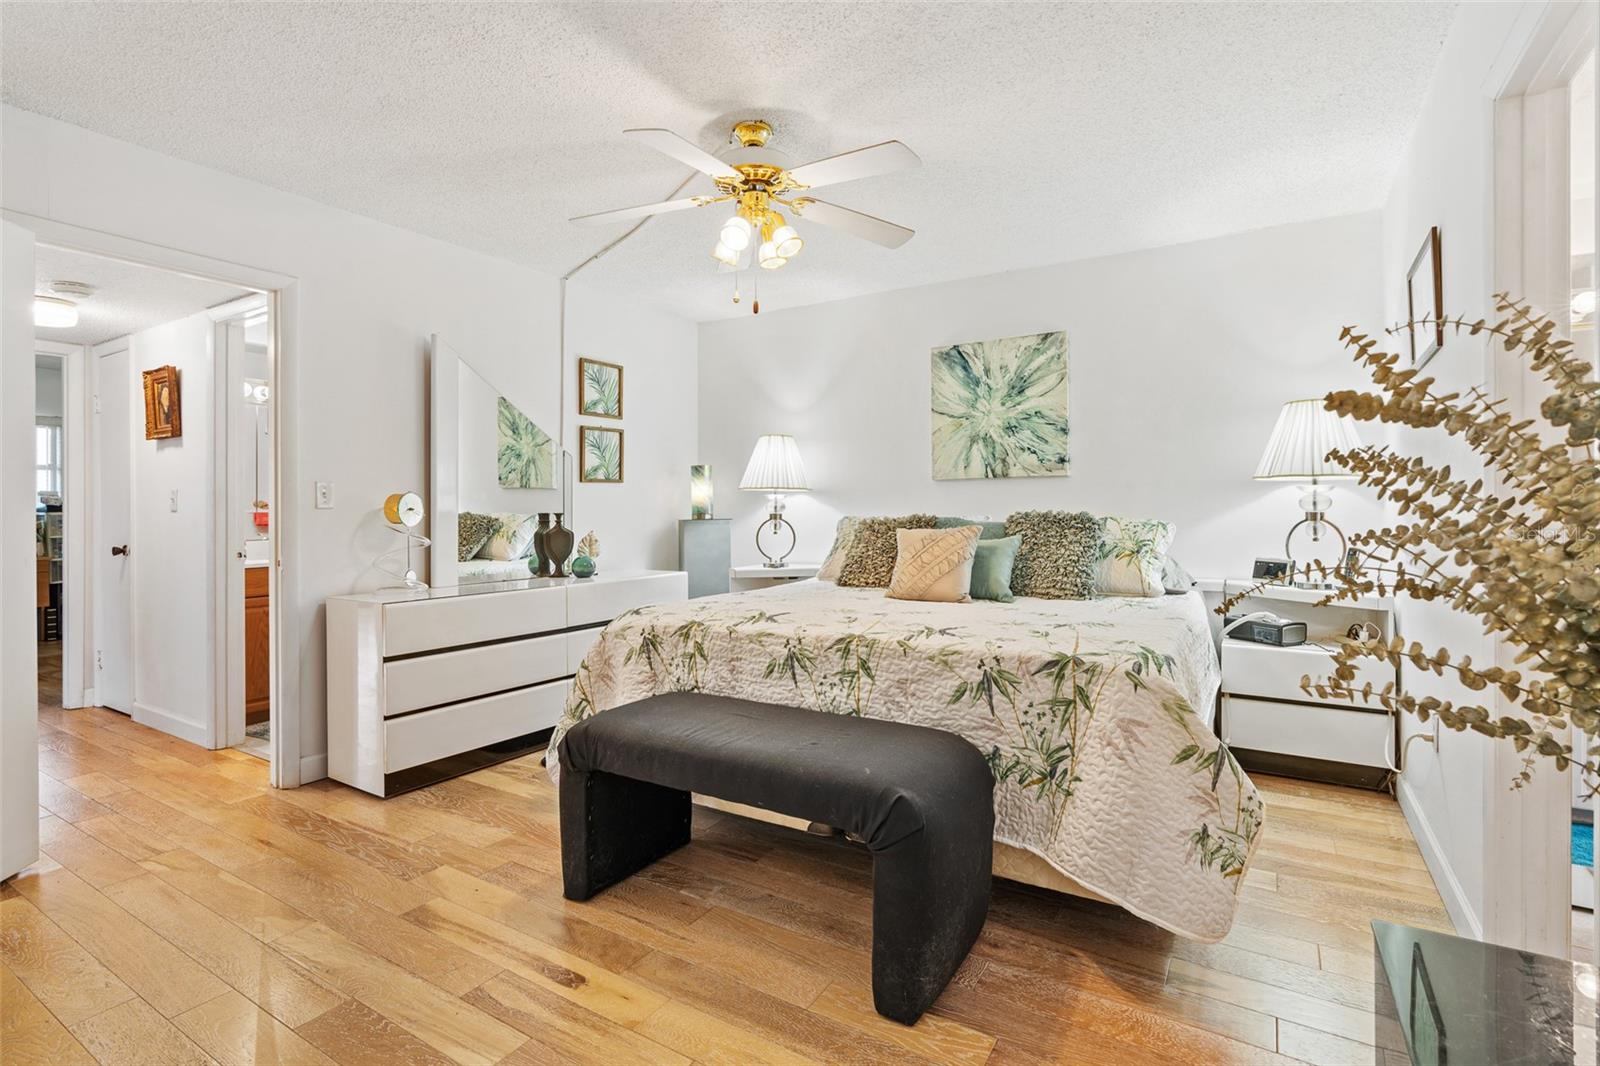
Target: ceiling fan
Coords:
[[758, 180]]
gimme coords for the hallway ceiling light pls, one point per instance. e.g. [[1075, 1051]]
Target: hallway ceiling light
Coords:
[[52, 312], [756, 179], [57, 307]]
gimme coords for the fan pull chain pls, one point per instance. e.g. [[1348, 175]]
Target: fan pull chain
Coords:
[[755, 288]]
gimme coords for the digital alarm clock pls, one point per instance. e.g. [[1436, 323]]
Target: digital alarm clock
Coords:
[[1268, 630]]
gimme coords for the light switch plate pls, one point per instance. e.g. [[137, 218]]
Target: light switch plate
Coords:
[[324, 495]]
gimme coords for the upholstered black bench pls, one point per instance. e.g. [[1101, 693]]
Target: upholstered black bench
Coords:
[[922, 799]]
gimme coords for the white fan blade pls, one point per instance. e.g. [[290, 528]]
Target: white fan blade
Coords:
[[628, 214], [854, 223], [669, 143], [885, 158]]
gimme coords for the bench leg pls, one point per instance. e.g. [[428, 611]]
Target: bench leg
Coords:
[[613, 826], [930, 899]]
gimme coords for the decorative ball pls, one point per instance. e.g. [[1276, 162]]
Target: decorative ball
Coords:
[[583, 566]]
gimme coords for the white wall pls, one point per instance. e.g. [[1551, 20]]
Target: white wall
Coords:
[[1446, 179], [367, 297], [173, 587], [47, 392], [636, 521], [1179, 357], [19, 689]]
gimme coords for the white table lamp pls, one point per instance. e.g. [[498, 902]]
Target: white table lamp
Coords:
[[1298, 449], [775, 468]]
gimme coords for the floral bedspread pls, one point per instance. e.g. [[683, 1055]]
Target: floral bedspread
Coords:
[[1084, 709]]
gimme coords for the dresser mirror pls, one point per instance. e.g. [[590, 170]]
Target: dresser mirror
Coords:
[[490, 457]]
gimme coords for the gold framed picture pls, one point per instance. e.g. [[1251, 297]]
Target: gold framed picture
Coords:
[[600, 455], [163, 406], [599, 388]]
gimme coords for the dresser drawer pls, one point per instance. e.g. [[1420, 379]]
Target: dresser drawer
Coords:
[[1250, 669], [448, 676], [1364, 738], [601, 601], [429, 735], [578, 645], [422, 625]]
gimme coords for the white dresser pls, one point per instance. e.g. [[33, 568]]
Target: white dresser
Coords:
[[426, 685]]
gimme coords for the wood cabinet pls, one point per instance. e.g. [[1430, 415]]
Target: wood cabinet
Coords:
[[41, 596], [257, 645]]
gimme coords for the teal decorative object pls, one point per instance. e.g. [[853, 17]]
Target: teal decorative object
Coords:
[[583, 566], [991, 568]]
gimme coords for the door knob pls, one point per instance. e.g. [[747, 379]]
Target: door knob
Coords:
[[120, 549]]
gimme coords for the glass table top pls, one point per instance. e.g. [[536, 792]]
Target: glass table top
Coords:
[[1448, 1001]]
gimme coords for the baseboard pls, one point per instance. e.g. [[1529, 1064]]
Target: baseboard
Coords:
[[89, 699], [1462, 916], [167, 722], [313, 768]]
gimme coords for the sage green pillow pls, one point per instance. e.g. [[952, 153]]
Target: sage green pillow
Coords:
[[991, 568], [991, 530]]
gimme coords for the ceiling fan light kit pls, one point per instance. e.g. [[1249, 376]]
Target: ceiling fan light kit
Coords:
[[757, 180]]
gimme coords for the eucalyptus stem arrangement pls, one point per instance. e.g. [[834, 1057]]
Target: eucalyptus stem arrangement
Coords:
[[1518, 548]]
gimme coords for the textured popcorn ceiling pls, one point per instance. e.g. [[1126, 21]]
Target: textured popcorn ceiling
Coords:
[[127, 297], [1048, 131]]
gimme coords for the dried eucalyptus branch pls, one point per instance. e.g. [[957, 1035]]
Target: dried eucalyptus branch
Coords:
[[1520, 550]]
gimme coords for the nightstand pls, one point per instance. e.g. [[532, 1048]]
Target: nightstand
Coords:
[[745, 578], [1271, 723]]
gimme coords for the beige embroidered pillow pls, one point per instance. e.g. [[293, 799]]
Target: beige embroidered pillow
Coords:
[[934, 565], [1132, 555], [870, 561], [843, 534]]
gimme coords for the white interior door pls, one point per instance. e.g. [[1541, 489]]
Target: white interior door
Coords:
[[112, 558], [19, 677]]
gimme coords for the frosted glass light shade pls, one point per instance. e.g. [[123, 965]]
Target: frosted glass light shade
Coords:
[[1304, 435], [775, 466], [736, 233], [52, 312]]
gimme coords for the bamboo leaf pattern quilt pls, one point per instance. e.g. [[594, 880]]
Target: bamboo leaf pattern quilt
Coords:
[[1085, 711]]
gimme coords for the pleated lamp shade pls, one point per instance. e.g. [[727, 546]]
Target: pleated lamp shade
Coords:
[[1306, 432], [775, 466]]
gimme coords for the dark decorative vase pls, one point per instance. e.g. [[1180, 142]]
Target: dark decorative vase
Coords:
[[541, 546], [558, 546]]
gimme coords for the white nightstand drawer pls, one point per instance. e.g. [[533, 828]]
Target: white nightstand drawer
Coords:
[[1311, 732], [1250, 669]]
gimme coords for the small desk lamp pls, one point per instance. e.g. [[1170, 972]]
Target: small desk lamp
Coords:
[[775, 468], [1298, 451]]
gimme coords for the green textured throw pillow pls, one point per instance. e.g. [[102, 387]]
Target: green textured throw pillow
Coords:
[[472, 533], [869, 562], [1059, 554], [991, 568]]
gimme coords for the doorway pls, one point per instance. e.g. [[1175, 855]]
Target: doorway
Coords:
[[178, 373]]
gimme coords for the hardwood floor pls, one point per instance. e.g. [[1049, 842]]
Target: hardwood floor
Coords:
[[185, 912]]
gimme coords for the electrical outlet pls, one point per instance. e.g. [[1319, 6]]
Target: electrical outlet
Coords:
[[324, 495], [172, 504]]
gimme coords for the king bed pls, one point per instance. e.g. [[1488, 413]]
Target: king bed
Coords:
[[1094, 716]]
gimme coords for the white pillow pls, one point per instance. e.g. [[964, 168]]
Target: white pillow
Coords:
[[1133, 553], [512, 537]]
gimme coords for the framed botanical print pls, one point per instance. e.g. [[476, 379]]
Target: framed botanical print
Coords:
[[599, 389], [1425, 301], [163, 407], [600, 455]]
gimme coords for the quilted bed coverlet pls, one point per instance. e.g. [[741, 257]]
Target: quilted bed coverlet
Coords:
[[1085, 710]]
